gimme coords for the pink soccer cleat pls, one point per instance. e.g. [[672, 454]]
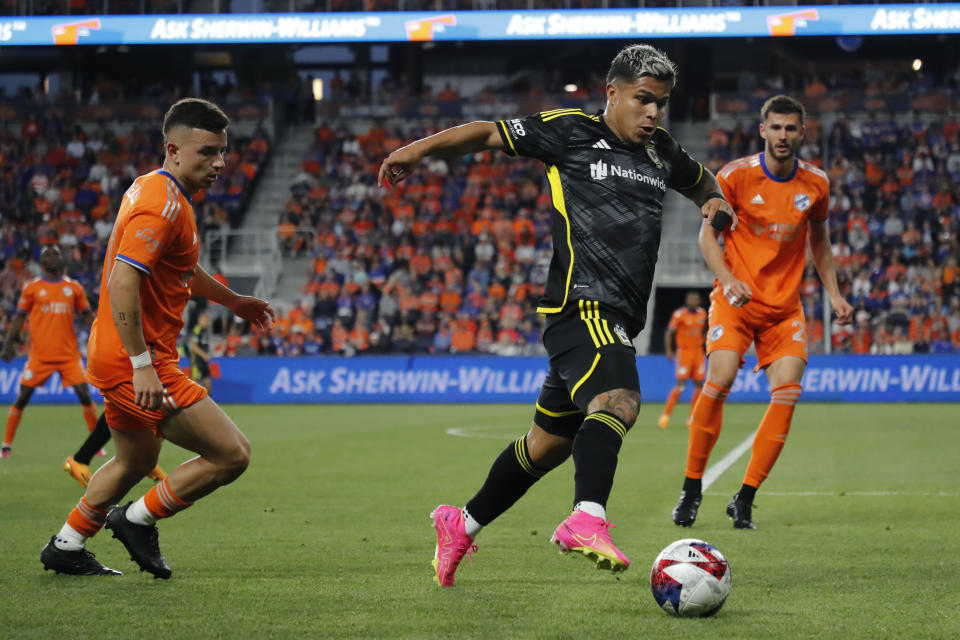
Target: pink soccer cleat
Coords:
[[452, 543], [590, 536]]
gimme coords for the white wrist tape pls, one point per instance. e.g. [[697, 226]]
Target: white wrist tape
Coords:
[[142, 360]]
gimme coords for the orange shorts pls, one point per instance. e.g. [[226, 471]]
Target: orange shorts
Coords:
[[38, 371], [691, 364], [734, 328], [123, 413]]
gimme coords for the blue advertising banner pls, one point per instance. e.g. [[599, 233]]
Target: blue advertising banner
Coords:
[[489, 379], [396, 26]]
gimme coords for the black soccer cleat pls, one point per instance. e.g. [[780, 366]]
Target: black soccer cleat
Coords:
[[142, 541], [741, 511], [685, 513], [74, 563]]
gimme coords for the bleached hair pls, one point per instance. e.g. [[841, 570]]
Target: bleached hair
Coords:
[[638, 60]]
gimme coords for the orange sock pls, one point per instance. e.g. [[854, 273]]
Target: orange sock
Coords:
[[13, 421], [672, 400], [87, 520], [705, 428], [90, 415], [161, 502], [772, 434]]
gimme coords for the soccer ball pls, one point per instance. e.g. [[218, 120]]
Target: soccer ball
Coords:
[[690, 579]]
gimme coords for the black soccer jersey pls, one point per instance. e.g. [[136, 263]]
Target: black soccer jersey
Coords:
[[203, 341], [608, 203]]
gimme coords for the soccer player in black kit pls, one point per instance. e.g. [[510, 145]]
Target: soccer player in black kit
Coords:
[[608, 174]]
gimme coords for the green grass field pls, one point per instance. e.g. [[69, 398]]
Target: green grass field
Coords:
[[327, 533]]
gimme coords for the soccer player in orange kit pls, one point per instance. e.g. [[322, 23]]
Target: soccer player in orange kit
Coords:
[[149, 274], [781, 202], [688, 325], [50, 303]]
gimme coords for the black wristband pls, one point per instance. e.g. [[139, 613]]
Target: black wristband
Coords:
[[715, 194], [721, 220]]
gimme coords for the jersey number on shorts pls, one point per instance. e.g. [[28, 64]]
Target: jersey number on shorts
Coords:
[[798, 336]]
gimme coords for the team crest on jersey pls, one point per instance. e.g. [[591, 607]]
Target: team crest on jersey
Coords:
[[801, 201], [27, 374], [654, 158], [67, 291], [622, 334], [716, 333], [42, 292]]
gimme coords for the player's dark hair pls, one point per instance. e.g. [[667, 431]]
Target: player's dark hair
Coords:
[[638, 60], [195, 113], [784, 105]]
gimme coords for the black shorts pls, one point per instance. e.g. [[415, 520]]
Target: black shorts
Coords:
[[200, 369], [590, 352]]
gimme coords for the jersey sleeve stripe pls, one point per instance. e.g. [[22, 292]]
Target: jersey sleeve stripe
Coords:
[[506, 136], [695, 182], [571, 112], [169, 203], [176, 208], [133, 263]]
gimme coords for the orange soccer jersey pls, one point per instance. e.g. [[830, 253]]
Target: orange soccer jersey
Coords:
[[689, 327], [155, 233], [51, 307], [768, 248]]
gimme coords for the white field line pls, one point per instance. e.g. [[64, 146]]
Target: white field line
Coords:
[[726, 462], [861, 494]]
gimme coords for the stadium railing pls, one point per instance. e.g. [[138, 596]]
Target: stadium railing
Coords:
[[245, 254]]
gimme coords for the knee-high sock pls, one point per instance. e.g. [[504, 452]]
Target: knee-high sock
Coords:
[[510, 476], [595, 450], [13, 421], [90, 415], [704, 428], [672, 400], [772, 434]]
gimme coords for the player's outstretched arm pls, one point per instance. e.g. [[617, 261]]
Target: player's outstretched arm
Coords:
[[124, 289], [714, 208], [737, 292], [254, 310], [476, 136], [10, 343], [819, 235]]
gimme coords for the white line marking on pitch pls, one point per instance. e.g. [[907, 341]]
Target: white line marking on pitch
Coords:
[[726, 462], [862, 494]]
